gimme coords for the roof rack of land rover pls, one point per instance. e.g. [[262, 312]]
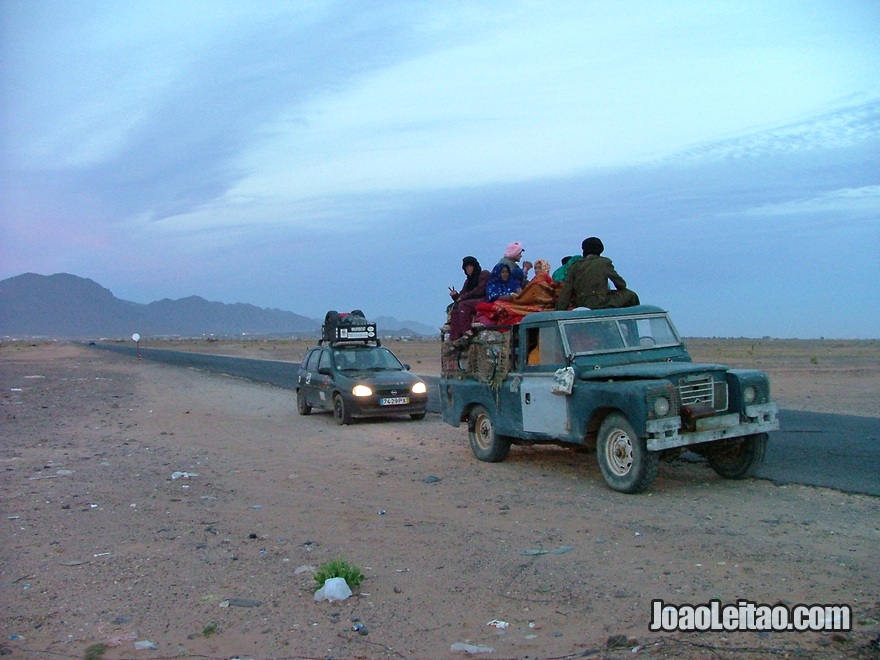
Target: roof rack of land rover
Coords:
[[348, 327]]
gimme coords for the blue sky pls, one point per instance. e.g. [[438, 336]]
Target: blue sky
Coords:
[[309, 156]]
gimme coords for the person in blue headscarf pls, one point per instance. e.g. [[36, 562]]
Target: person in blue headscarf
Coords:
[[501, 284]]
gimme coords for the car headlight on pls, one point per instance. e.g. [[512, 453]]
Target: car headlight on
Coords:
[[749, 394], [419, 388], [661, 406], [361, 390]]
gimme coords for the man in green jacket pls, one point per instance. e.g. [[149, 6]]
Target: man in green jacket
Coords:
[[586, 282]]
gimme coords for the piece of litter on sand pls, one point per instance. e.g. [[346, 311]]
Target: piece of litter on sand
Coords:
[[470, 648], [241, 602]]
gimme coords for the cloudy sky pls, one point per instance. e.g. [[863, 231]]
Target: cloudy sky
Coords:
[[309, 156]]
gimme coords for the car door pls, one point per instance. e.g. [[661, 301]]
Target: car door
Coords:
[[322, 383], [542, 411], [307, 376]]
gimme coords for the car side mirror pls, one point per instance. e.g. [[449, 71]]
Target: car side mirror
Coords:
[[325, 371], [406, 366]]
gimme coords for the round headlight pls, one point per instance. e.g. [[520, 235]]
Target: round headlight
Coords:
[[748, 394], [419, 388], [361, 390], [661, 406]]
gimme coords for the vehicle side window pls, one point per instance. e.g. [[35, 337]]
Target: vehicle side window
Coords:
[[550, 345], [543, 346], [311, 361], [325, 360]]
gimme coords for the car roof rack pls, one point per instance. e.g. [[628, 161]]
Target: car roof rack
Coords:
[[347, 328]]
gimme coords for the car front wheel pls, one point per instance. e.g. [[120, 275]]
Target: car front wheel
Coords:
[[340, 410], [302, 407], [486, 444], [737, 458], [625, 462]]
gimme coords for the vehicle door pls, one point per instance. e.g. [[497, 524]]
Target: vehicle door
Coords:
[[542, 411], [308, 375], [323, 382]]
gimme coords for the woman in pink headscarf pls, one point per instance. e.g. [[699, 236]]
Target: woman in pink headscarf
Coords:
[[518, 275]]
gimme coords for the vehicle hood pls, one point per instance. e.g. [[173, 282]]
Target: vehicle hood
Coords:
[[381, 377], [646, 371]]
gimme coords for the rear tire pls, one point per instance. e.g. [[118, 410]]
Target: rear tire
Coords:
[[302, 407], [737, 458], [486, 444], [340, 410], [625, 462]]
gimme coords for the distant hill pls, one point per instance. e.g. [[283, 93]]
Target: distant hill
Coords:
[[67, 306], [389, 324], [64, 306]]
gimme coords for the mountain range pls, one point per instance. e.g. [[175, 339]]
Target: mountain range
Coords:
[[64, 306]]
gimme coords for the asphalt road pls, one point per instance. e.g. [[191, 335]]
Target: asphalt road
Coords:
[[814, 449]]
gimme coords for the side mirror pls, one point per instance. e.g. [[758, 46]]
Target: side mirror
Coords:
[[406, 366]]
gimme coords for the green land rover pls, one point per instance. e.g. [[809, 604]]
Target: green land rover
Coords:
[[617, 381]]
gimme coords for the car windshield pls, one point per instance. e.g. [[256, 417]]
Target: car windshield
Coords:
[[618, 334], [366, 359]]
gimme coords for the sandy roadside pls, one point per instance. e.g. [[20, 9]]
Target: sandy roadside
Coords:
[[104, 546]]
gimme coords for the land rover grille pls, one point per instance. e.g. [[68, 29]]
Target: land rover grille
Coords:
[[702, 390]]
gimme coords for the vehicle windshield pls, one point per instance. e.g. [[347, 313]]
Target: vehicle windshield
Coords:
[[366, 359], [618, 334]]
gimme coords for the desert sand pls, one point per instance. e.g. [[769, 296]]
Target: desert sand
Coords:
[[152, 511]]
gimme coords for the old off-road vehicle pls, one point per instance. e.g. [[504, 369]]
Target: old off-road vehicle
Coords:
[[619, 382]]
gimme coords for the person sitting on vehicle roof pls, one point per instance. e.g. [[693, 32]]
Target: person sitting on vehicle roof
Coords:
[[512, 254], [501, 284], [500, 288], [586, 283], [567, 262], [464, 306]]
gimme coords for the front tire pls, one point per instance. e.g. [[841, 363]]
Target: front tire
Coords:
[[486, 444], [625, 462], [417, 416], [340, 410], [302, 407], [737, 458]]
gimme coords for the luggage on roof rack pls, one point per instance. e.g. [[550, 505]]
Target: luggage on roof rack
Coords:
[[348, 327]]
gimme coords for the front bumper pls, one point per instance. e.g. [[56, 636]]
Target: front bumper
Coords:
[[668, 432], [369, 406]]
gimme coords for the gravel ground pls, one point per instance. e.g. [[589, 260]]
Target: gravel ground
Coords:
[[157, 512]]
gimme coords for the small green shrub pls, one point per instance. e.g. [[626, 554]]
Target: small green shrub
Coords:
[[338, 568], [95, 651], [210, 629]]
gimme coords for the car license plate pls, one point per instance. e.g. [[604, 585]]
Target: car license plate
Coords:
[[394, 401]]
